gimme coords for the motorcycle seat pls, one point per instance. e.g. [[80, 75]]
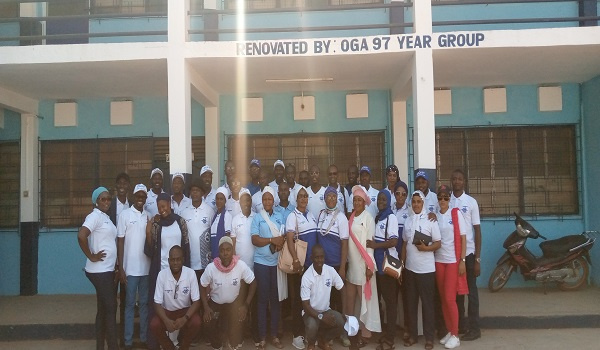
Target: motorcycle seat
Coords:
[[559, 247]]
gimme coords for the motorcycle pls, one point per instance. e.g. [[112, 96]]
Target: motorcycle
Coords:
[[564, 260]]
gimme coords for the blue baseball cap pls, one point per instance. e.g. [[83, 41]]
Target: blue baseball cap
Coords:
[[422, 174], [365, 168], [255, 162]]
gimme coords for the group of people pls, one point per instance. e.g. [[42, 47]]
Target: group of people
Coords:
[[213, 258]]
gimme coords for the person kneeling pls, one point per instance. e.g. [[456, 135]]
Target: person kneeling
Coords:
[[176, 303], [227, 308], [319, 320]]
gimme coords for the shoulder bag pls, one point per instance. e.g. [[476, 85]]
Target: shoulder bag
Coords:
[[391, 266], [286, 260]]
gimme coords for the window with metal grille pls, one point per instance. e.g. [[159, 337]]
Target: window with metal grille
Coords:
[[10, 158], [71, 169], [528, 169], [267, 4], [306, 150], [127, 6]]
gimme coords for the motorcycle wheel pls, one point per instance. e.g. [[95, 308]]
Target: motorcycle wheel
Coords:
[[500, 276], [581, 269]]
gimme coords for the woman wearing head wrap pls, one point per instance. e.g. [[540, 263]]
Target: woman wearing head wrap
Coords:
[[300, 224], [97, 239], [332, 235], [401, 211], [384, 243], [361, 267], [420, 269], [221, 224], [450, 263], [165, 230], [267, 228], [392, 175]]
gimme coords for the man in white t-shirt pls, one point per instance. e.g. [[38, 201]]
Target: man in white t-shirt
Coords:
[[316, 192], [179, 201], [263, 180], [206, 175], [320, 321], [470, 210], [176, 303], [279, 174], [343, 198], [365, 182], [422, 184], [131, 236], [156, 180], [225, 303], [290, 178], [198, 216]]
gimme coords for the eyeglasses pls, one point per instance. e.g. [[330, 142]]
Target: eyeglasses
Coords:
[[333, 173], [443, 198], [314, 173], [176, 289], [401, 193]]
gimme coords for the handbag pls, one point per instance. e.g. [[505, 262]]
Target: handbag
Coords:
[[421, 237], [391, 266], [286, 260]]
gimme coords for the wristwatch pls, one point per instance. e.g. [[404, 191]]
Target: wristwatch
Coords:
[[463, 259], [478, 260], [320, 316]]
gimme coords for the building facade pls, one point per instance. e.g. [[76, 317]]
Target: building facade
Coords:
[[505, 90]]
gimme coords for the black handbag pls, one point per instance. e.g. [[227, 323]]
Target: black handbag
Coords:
[[421, 237]]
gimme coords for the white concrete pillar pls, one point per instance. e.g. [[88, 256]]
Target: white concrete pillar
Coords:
[[400, 138], [423, 113], [212, 141], [29, 169], [179, 95], [422, 16]]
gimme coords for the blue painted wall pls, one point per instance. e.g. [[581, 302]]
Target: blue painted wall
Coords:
[[10, 257], [12, 126], [9, 29], [149, 119], [522, 108], [124, 25], [591, 163]]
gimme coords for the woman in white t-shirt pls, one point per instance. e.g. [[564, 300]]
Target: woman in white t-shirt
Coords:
[[97, 239], [419, 261], [448, 268]]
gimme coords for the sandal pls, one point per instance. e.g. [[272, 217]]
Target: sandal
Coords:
[[409, 342], [385, 344], [260, 345], [428, 345], [362, 342], [276, 343]]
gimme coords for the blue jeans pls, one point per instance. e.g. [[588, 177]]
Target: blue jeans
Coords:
[[136, 285], [473, 307], [266, 277], [106, 316]]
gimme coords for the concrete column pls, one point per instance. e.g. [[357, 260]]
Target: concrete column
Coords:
[[212, 140], [422, 17], [400, 138], [29, 204], [423, 113], [179, 96]]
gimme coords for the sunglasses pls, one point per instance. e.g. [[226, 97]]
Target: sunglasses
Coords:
[[333, 173], [443, 198]]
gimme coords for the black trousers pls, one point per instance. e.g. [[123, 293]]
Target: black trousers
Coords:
[[421, 286], [106, 316], [294, 281], [473, 308], [387, 289]]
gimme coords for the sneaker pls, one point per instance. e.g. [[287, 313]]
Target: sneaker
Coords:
[[452, 342], [445, 338], [298, 342], [471, 335]]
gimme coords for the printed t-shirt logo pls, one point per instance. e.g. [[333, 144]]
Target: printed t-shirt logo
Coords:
[[328, 282], [185, 290]]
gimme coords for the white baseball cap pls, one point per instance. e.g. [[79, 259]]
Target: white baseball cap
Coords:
[[140, 187], [205, 169], [156, 171], [351, 326], [178, 175], [278, 162]]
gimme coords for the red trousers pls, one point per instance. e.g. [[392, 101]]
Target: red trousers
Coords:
[[186, 333], [446, 276]]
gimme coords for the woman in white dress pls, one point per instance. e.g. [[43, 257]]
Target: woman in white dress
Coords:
[[361, 287]]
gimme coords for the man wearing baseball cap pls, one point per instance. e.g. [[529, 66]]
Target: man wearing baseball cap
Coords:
[[206, 175], [156, 181], [135, 265], [365, 181], [422, 184], [279, 174], [254, 169], [179, 201]]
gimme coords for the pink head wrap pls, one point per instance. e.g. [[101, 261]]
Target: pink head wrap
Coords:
[[358, 190]]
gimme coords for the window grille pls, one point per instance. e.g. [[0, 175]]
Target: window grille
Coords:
[[71, 169], [306, 150], [529, 170], [10, 158]]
